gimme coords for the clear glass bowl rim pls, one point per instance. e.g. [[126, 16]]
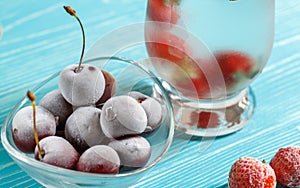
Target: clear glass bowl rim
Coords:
[[66, 172]]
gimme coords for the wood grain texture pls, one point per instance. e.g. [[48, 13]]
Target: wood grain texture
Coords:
[[40, 39]]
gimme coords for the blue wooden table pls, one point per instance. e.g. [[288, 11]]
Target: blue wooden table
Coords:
[[39, 39]]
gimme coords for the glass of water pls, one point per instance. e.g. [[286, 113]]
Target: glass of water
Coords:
[[207, 53]]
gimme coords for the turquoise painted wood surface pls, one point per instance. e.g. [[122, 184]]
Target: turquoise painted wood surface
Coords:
[[39, 40]]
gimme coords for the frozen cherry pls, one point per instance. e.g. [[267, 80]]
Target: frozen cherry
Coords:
[[57, 151], [81, 87], [23, 125], [133, 151], [83, 128], [152, 108], [110, 87], [81, 84], [58, 106], [122, 115], [99, 159]]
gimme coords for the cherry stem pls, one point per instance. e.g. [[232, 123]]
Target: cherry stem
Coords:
[[72, 12], [31, 97]]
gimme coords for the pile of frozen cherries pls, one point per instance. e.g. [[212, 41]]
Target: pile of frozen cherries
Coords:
[[85, 126]]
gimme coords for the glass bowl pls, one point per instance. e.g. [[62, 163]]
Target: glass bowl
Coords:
[[130, 76]]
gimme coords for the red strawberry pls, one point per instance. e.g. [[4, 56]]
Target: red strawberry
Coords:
[[249, 172], [208, 120], [286, 164], [163, 11], [190, 80], [205, 119], [202, 86], [166, 46], [233, 62], [169, 47]]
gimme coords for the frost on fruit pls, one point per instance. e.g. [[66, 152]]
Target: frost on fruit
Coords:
[[122, 115], [133, 151], [63, 154], [152, 108], [110, 114], [250, 172], [81, 88], [286, 164], [83, 129], [22, 127], [99, 159], [58, 106]]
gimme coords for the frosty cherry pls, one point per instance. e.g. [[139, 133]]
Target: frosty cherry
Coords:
[[23, 125], [110, 87], [59, 107], [152, 108], [99, 159], [83, 128], [133, 151], [81, 84], [58, 152], [122, 115]]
